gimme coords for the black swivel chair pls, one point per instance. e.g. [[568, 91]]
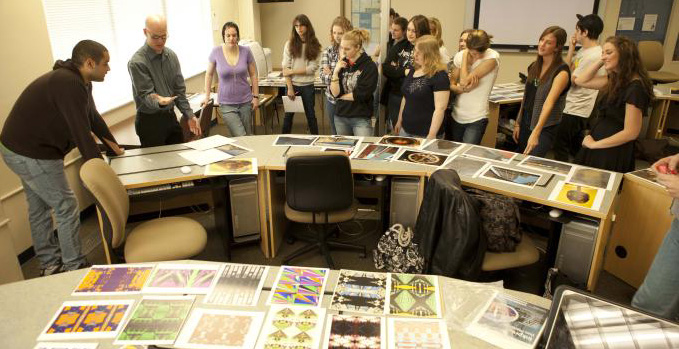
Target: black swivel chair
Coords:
[[319, 189]]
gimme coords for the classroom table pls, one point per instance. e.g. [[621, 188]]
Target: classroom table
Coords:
[[27, 306], [663, 105]]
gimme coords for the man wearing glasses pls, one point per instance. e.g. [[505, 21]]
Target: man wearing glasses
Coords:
[[157, 86]]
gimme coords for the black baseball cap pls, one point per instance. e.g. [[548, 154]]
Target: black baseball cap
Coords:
[[592, 24]]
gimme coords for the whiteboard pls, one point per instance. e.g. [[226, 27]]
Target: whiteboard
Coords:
[[519, 23]]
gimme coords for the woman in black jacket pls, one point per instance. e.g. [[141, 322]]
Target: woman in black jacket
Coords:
[[353, 83]]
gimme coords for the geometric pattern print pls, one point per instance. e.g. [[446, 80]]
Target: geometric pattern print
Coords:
[[127, 279], [223, 330], [238, 285], [417, 334], [299, 286], [182, 278], [88, 318], [413, 295], [156, 319], [360, 291], [355, 332], [290, 329]]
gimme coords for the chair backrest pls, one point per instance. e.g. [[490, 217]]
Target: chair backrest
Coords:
[[319, 182], [652, 55], [111, 198]]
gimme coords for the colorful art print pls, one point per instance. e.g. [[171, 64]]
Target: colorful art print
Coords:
[[113, 279], [400, 141], [342, 142], [464, 166], [156, 320], [232, 167], [287, 141], [546, 165], [234, 150], [442, 146], [377, 152], [213, 328], [360, 291], [299, 286], [292, 328], [591, 177], [414, 295], [87, 319], [647, 175], [182, 278], [417, 333], [508, 322], [511, 176], [63, 345], [421, 158], [577, 195], [355, 332], [490, 154], [238, 284]]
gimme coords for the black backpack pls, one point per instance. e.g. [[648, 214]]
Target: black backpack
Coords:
[[500, 220]]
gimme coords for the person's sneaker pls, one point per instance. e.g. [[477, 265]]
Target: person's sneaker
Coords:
[[82, 265], [51, 269]]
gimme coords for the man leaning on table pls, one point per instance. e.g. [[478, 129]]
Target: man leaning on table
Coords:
[[157, 86], [53, 115]]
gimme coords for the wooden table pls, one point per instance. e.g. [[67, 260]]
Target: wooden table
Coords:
[[657, 123]]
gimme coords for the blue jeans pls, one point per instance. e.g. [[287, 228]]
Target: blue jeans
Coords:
[[330, 111], [238, 117], [307, 92], [659, 294], [46, 189], [357, 126], [471, 133]]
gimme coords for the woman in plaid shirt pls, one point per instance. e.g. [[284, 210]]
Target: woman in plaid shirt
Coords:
[[329, 58]]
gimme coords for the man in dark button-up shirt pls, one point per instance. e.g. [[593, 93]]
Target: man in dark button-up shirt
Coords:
[[158, 85]]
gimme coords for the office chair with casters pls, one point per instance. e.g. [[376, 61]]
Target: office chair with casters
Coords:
[[160, 239], [653, 57], [319, 189], [525, 254]]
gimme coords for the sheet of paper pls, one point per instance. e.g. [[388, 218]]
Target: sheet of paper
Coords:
[[209, 142], [156, 320], [182, 278], [204, 157], [626, 23], [238, 284], [413, 295], [650, 23], [64, 345], [108, 280], [291, 106], [215, 328], [87, 319], [299, 286], [360, 291]]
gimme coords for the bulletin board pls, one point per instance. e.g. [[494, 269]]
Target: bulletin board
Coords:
[[365, 14], [643, 20]]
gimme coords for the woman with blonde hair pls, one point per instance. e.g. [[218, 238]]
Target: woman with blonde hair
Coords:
[[425, 92], [353, 84], [329, 58], [436, 30], [549, 78], [476, 67]]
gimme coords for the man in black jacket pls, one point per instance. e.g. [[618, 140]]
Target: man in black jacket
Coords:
[[53, 115]]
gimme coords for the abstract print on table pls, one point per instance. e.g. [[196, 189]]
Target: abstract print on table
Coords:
[[291, 328], [299, 286], [87, 319], [355, 332], [418, 333], [156, 320], [182, 278], [360, 291], [414, 295], [106, 280], [213, 328], [238, 284]]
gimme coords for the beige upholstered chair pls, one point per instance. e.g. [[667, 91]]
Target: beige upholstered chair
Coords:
[[653, 57], [161, 239], [525, 254]]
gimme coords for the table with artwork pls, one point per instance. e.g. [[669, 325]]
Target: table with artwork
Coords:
[[195, 304]]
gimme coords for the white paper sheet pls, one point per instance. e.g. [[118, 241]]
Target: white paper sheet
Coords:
[[291, 106], [626, 23], [205, 157], [209, 142]]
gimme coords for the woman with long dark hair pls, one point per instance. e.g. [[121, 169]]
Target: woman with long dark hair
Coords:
[[627, 92], [549, 78], [301, 56]]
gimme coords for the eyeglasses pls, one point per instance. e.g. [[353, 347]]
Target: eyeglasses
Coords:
[[159, 37]]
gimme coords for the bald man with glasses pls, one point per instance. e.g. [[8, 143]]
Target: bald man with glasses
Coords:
[[158, 86]]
